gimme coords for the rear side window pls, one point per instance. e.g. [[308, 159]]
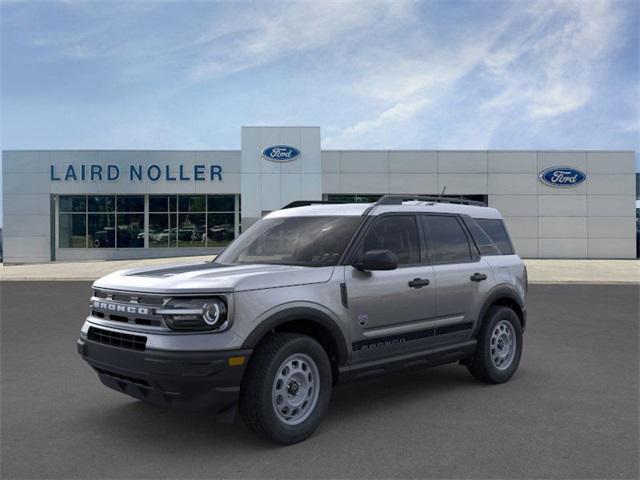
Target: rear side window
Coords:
[[484, 243], [498, 233], [447, 241], [398, 233]]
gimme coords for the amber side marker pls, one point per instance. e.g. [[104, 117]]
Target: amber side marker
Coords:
[[236, 361]]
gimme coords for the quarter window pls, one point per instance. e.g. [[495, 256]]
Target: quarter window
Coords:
[[484, 243], [448, 242], [397, 233], [498, 233]]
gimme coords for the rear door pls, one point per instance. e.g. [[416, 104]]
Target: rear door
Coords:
[[462, 277], [388, 310]]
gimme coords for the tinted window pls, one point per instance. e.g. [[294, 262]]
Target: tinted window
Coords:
[[70, 203], [102, 203], [158, 203], [448, 242], [72, 230], [220, 229], [398, 234], [484, 243], [131, 204], [220, 203], [192, 203], [498, 233], [130, 230], [102, 230]]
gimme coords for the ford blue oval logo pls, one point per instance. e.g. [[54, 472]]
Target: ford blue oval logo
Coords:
[[562, 176], [281, 153]]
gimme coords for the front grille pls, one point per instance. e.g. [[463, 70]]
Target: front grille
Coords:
[[130, 297], [120, 318], [117, 339], [131, 308]]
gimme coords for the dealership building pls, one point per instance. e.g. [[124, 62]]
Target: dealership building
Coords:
[[63, 205]]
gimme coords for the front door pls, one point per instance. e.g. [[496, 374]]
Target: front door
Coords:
[[390, 309]]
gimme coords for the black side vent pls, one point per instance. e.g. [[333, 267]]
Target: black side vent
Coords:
[[117, 339]]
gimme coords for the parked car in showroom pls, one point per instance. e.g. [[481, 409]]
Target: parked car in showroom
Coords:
[[310, 297]]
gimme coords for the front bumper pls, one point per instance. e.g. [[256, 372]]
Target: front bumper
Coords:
[[191, 380]]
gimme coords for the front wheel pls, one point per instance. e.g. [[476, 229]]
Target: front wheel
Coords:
[[499, 346], [287, 388]]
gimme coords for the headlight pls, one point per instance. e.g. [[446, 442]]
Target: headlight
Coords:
[[195, 314]]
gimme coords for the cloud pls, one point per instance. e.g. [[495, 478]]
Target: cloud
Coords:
[[229, 38], [551, 67], [373, 74], [539, 60], [262, 37]]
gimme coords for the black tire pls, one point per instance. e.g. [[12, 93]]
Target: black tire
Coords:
[[257, 407], [482, 366]]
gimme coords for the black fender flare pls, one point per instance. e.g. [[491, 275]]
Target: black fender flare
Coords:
[[498, 293], [301, 314]]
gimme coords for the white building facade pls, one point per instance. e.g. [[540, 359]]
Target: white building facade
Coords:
[[120, 204]]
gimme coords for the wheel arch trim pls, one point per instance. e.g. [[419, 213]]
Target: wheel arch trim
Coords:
[[301, 314], [501, 293]]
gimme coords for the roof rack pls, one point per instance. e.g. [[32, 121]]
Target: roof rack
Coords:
[[399, 199], [306, 203]]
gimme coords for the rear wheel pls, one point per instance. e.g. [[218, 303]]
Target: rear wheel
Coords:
[[499, 346], [287, 388]]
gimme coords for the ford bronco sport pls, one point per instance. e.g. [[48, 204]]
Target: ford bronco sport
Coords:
[[309, 297]]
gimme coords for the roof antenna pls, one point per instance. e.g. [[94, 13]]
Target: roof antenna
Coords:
[[443, 190]]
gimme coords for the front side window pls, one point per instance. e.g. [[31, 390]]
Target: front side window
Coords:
[[304, 241], [447, 241], [397, 233]]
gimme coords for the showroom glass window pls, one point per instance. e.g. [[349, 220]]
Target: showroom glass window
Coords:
[[118, 221], [162, 221], [72, 221], [130, 221], [373, 197], [101, 221], [192, 221], [354, 198]]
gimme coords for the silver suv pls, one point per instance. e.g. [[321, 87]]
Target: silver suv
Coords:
[[308, 297]]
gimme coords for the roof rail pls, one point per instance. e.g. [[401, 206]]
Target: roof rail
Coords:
[[306, 203], [399, 199]]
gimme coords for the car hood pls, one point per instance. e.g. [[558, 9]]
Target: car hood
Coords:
[[212, 277]]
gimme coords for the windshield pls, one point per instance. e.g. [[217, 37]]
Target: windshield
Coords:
[[306, 241]]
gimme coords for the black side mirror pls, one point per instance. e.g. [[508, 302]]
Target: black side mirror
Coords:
[[377, 260]]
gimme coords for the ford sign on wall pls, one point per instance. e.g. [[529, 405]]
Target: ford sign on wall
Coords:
[[281, 153], [562, 177]]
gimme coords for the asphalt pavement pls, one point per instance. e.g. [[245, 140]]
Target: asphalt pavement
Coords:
[[571, 411]]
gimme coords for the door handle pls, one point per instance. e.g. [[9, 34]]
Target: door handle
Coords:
[[478, 277], [419, 282]]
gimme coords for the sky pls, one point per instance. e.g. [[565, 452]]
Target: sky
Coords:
[[372, 74]]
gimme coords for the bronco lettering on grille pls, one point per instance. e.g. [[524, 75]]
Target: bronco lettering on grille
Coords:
[[117, 307]]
